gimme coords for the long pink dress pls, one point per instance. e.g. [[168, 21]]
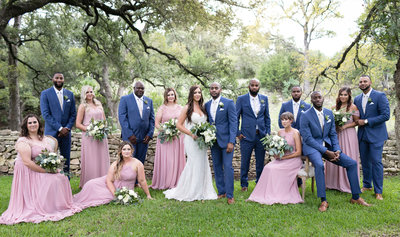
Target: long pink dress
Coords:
[[278, 182], [95, 157], [37, 197], [336, 176], [169, 159], [96, 193]]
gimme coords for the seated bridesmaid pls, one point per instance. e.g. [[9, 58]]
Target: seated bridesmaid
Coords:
[[278, 182], [122, 173], [36, 196]]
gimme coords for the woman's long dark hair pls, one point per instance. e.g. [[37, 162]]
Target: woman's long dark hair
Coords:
[[118, 167], [190, 103], [24, 126], [349, 101]]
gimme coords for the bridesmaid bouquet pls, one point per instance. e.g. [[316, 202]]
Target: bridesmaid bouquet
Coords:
[[206, 134], [276, 145], [126, 196], [97, 129], [168, 131], [341, 117], [49, 161]]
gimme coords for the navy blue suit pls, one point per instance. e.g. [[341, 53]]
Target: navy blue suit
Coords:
[[288, 107], [251, 140], [225, 122], [314, 138], [55, 118], [372, 137], [132, 124]]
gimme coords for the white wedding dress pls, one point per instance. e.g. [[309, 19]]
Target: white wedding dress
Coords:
[[195, 182]]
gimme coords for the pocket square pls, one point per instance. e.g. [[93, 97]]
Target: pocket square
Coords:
[[221, 109], [148, 107], [68, 100], [328, 121], [371, 103], [302, 111]]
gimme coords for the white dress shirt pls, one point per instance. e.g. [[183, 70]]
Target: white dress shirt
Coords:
[[139, 102], [365, 100], [255, 104], [296, 106], [320, 115], [214, 107], [60, 96]]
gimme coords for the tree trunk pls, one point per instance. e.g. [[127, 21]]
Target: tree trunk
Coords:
[[396, 78], [105, 89], [13, 82]]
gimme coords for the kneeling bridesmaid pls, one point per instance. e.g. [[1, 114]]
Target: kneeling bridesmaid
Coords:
[[278, 181], [122, 173]]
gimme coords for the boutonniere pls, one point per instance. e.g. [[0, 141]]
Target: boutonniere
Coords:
[[65, 97], [370, 101], [262, 101], [145, 101], [221, 105], [327, 117], [302, 106]]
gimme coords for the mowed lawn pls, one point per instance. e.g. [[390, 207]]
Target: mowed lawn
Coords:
[[162, 217]]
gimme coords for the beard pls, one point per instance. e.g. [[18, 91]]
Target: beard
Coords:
[[57, 85], [254, 93], [366, 88]]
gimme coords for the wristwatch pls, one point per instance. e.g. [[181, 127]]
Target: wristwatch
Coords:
[[366, 121]]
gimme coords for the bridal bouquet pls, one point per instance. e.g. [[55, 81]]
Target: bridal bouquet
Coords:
[[276, 145], [126, 196], [49, 161], [168, 131], [97, 129], [206, 134], [341, 117]]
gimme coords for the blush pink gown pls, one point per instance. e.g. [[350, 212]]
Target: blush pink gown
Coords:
[[278, 181], [37, 197], [336, 176], [96, 193], [169, 159], [95, 157]]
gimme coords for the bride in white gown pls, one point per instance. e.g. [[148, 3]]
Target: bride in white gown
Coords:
[[195, 182]]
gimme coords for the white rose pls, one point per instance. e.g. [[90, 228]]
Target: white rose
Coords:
[[344, 120], [52, 154], [53, 161], [120, 197], [168, 131], [126, 199], [58, 161], [131, 192]]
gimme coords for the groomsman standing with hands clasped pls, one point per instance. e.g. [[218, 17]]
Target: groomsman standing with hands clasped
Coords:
[[372, 134], [256, 123]]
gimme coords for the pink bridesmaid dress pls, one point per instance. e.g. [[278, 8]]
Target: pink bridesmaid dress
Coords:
[[96, 193], [37, 197], [278, 181], [169, 159], [336, 176], [95, 157]]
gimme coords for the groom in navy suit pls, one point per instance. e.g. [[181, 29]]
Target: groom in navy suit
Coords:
[[136, 117], [320, 141], [58, 110], [256, 123], [372, 134], [221, 113], [296, 106]]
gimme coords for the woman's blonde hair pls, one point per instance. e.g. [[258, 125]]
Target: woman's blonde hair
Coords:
[[83, 97], [118, 167]]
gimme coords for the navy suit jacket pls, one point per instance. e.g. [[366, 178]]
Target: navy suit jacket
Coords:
[[249, 120], [130, 120], [225, 121], [51, 111], [377, 112], [288, 107], [312, 134]]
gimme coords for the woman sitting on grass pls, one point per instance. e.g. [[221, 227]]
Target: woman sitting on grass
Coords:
[[122, 173]]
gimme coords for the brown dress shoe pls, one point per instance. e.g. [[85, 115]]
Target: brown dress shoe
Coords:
[[365, 189], [359, 201], [378, 196], [231, 200], [221, 196], [324, 206], [244, 189]]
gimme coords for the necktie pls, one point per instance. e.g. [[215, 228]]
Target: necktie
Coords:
[[295, 111], [321, 119], [364, 102], [60, 99], [214, 109], [140, 106]]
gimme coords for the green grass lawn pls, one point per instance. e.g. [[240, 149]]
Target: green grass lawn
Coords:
[[162, 217]]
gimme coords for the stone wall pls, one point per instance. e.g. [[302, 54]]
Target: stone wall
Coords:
[[391, 160]]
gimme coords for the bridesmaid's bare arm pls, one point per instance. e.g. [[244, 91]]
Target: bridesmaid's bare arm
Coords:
[[110, 178], [158, 117], [79, 118], [353, 107], [141, 177], [24, 151], [297, 143], [181, 123]]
